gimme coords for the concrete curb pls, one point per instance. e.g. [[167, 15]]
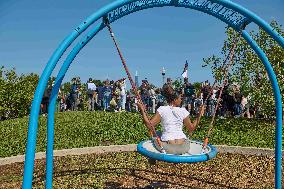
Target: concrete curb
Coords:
[[246, 150], [72, 152], [132, 147]]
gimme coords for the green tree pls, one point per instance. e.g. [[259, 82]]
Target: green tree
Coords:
[[197, 86], [248, 70], [178, 84], [66, 88], [98, 82], [16, 93]]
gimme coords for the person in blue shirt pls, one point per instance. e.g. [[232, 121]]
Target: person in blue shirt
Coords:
[[107, 90]]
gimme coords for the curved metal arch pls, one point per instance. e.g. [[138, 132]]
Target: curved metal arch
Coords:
[[199, 5], [227, 15]]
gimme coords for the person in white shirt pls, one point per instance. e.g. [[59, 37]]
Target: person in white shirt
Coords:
[[172, 119], [122, 99], [245, 106], [153, 100], [91, 92]]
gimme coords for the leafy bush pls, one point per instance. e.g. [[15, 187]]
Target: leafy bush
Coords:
[[247, 69], [16, 93], [82, 129]]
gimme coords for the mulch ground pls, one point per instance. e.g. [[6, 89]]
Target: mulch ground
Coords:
[[131, 170]]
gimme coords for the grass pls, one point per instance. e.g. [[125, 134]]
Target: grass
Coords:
[[85, 129]]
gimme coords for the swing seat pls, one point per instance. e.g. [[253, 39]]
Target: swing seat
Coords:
[[195, 154]]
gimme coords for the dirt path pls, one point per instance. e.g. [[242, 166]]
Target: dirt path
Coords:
[[131, 170]]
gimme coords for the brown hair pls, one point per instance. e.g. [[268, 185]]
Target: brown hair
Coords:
[[169, 93]]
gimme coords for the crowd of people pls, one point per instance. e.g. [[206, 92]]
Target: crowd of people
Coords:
[[113, 96]]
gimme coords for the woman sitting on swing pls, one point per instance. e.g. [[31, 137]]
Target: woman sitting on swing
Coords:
[[172, 118]]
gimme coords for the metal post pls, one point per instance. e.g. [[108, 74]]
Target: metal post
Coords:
[[51, 107], [163, 75]]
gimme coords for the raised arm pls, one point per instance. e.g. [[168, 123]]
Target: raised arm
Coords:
[[152, 122], [192, 126]]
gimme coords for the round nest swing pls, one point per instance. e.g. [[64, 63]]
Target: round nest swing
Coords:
[[195, 154]]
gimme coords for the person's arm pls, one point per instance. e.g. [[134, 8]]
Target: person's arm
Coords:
[[192, 126], [189, 126], [152, 122]]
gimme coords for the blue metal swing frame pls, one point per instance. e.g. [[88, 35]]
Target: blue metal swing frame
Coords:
[[231, 13]]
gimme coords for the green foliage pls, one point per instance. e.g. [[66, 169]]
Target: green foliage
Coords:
[[98, 82], [177, 84], [197, 85], [83, 129], [248, 70], [16, 93], [66, 87]]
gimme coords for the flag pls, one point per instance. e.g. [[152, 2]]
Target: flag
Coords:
[[184, 73]]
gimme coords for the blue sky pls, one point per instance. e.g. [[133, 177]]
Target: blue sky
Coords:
[[30, 31]]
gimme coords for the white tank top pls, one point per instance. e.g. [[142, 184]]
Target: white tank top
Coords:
[[172, 122]]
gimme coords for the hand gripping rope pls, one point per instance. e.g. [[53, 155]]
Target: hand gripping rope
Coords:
[[151, 129]]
